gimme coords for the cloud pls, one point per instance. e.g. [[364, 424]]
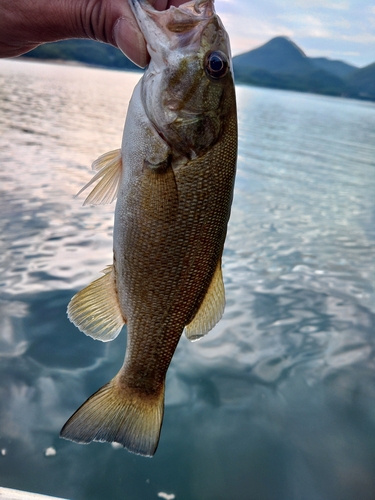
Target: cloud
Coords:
[[337, 28], [322, 4], [253, 33], [307, 25], [360, 38]]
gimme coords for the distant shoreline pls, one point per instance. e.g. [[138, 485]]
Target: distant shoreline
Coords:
[[70, 62], [279, 64]]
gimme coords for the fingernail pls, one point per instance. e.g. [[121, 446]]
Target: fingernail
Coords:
[[130, 41]]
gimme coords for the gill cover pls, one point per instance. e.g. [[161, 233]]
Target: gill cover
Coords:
[[190, 69]]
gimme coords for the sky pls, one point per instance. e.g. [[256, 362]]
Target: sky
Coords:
[[337, 29]]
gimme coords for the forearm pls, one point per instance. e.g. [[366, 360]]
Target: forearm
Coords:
[[25, 24]]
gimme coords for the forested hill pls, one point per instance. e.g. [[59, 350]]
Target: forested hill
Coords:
[[83, 51], [279, 63]]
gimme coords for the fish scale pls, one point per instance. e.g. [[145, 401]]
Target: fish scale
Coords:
[[173, 179]]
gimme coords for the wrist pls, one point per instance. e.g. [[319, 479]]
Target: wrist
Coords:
[[24, 24]]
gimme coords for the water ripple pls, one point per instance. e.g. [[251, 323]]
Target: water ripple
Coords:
[[282, 390]]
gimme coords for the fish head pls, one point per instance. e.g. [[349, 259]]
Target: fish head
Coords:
[[186, 85]]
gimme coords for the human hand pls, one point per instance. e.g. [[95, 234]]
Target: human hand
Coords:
[[25, 24]]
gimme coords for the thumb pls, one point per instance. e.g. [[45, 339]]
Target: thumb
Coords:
[[129, 39]]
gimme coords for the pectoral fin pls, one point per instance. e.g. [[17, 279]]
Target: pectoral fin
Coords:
[[211, 309], [95, 309], [108, 168]]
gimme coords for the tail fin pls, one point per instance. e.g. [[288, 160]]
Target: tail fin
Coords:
[[114, 414]]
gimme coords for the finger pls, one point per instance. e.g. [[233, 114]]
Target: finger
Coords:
[[160, 4], [165, 4], [176, 3], [129, 39]]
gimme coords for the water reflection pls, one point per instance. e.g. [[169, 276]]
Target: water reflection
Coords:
[[277, 402], [12, 341]]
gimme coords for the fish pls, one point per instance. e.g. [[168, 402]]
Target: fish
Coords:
[[173, 179]]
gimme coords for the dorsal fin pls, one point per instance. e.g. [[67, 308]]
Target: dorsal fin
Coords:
[[108, 167], [95, 310], [211, 309]]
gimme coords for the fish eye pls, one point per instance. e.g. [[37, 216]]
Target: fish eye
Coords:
[[216, 64]]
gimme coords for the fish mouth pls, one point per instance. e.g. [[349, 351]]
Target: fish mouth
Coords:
[[173, 28]]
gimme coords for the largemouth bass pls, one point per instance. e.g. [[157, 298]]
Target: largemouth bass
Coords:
[[173, 179]]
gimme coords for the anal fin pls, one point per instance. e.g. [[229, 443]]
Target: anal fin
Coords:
[[108, 167], [95, 310], [211, 309]]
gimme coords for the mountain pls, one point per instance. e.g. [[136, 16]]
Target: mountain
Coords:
[[338, 68], [84, 51], [279, 55], [362, 82], [280, 63]]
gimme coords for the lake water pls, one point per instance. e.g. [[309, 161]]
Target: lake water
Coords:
[[278, 401]]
